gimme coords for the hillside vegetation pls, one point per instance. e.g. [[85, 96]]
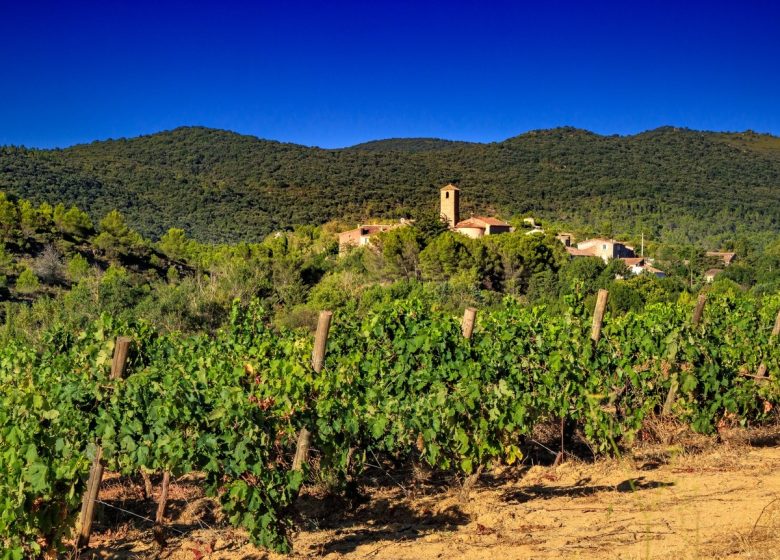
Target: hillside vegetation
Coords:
[[675, 185]]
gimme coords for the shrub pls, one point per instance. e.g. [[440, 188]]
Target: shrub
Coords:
[[27, 282]]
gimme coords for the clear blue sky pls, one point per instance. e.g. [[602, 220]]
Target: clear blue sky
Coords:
[[336, 73]]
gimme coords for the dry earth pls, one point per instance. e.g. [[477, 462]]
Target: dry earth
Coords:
[[662, 502]]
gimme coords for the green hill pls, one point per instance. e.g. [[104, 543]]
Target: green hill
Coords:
[[410, 145], [673, 184]]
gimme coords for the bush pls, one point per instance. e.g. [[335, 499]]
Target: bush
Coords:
[[27, 283], [77, 267], [48, 265]]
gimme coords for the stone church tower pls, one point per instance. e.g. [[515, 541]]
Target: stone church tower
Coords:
[[450, 204]]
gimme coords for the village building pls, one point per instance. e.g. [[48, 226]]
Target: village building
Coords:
[[605, 249], [479, 226], [639, 265], [609, 249], [726, 257], [532, 226], [710, 275], [475, 226], [566, 238], [361, 235]]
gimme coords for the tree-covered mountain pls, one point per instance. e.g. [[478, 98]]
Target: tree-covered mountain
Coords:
[[673, 184], [410, 145]]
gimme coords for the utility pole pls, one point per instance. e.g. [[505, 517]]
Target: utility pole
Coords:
[[642, 252]]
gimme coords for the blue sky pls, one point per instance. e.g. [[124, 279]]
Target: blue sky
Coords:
[[337, 73]]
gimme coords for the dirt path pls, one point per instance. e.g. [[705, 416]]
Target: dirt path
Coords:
[[724, 503]]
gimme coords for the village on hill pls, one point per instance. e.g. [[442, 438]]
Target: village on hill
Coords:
[[477, 227]]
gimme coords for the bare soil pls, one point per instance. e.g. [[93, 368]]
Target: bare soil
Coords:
[[701, 498]]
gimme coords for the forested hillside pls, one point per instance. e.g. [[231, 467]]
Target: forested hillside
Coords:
[[676, 185]]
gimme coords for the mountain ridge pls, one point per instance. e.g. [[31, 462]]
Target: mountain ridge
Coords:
[[219, 185], [748, 133]]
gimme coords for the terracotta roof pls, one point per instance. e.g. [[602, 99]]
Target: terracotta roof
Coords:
[[375, 228], [633, 261], [470, 224], [575, 252], [597, 240], [726, 256], [369, 229], [653, 270], [713, 272], [490, 221], [450, 187], [720, 254]]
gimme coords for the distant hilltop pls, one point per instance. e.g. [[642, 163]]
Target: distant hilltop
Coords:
[[674, 184]]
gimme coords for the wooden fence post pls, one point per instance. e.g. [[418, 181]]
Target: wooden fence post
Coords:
[[775, 333], [118, 365], [698, 313], [159, 529], [317, 362], [469, 318], [598, 315]]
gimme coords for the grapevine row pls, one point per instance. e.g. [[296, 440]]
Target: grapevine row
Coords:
[[402, 380]]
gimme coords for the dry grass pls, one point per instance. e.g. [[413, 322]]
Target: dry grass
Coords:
[[679, 495]]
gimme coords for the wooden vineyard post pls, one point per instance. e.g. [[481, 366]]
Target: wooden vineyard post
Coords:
[[317, 362], [469, 318], [698, 313], [159, 529], [775, 333], [595, 336], [598, 315], [118, 365]]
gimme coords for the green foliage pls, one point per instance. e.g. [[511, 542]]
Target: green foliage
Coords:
[[29, 218], [73, 221], [174, 244], [676, 185], [400, 249], [6, 260], [398, 380], [27, 282], [582, 273], [9, 217], [445, 256], [116, 237], [77, 267], [430, 224], [523, 255], [623, 297]]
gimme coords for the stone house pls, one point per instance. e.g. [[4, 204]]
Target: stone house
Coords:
[[605, 249], [361, 235]]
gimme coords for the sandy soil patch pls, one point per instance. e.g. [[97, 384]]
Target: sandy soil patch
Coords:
[[662, 502]]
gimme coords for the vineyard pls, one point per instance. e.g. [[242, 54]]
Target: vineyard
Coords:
[[243, 405]]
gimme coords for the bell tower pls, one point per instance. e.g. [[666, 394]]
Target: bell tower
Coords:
[[450, 204]]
